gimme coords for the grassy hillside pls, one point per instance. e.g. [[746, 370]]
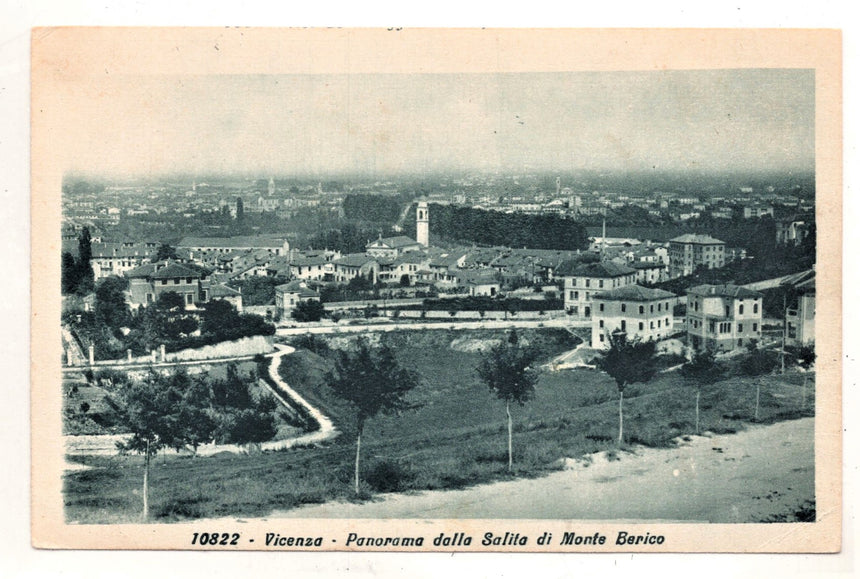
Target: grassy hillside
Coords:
[[455, 437]]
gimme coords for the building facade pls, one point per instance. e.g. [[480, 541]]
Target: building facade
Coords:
[[800, 315], [582, 282], [289, 295], [149, 281], [640, 313], [689, 252], [723, 317]]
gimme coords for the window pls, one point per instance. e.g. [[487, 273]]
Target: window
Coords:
[[755, 308], [659, 306], [658, 323], [641, 326], [755, 327], [667, 306], [728, 311], [189, 298], [641, 309], [667, 322], [576, 295], [623, 325], [740, 327], [188, 280], [741, 309], [600, 324], [587, 282], [601, 306], [573, 282], [164, 282], [176, 281], [623, 307], [652, 308], [600, 283], [601, 337]]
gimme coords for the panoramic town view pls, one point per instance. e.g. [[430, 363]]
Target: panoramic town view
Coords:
[[525, 296]]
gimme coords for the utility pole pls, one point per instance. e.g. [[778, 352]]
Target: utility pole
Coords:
[[784, 331]]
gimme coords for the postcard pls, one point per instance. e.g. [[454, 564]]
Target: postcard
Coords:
[[451, 290]]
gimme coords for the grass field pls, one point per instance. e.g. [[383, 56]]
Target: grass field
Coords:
[[454, 437]]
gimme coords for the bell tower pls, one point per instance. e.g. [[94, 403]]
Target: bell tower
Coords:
[[422, 225]]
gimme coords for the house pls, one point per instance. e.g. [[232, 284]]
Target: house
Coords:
[[691, 251], [391, 247], [219, 291], [274, 245], [723, 317], [755, 211], [353, 265], [641, 313], [116, 258], [289, 295], [800, 314], [479, 282], [583, 281], [650, 272], [792, 230], [149, 281]]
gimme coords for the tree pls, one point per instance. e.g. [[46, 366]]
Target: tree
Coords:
[[70, 273], [308, 311], [85, 270], [148, 409], [757, 363], [627, 362], [507, 372], [700, 370], [166, 251], [169, 301], [371, 382], [110, 305]]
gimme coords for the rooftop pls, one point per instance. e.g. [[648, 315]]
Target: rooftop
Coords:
[[725, 290], [635, 293], [599, 269], [696, 238]]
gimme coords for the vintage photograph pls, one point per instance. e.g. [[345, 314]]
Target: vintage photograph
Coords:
[[336, 303]]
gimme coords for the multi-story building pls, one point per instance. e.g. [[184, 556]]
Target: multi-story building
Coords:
[[583, 281], [116, 258], [691, 251], [289, 295], [392, 246], [723, 317], [641, 313], [198, 245], [150, 280], [800, 315]]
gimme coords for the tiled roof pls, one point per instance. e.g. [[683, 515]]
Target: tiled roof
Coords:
[[602, 269], [222, 291], [394, 242], [354, 260], [725, 290], [696, 238], [297, 287], [635, 293], [232, 242]]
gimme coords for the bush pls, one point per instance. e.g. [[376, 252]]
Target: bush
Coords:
[[386, 476]]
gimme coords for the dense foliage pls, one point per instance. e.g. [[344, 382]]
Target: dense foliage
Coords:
[[469, 225]]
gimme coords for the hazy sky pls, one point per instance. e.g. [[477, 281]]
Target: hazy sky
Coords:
[[406, 123]]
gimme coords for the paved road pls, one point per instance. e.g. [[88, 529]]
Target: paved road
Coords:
[[736, 478]]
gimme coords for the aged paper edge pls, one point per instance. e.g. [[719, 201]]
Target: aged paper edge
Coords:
[[60, 54]]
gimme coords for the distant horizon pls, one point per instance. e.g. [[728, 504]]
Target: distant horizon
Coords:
[[379, 125]]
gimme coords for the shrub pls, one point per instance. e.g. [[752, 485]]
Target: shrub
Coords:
[[388, 476]]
